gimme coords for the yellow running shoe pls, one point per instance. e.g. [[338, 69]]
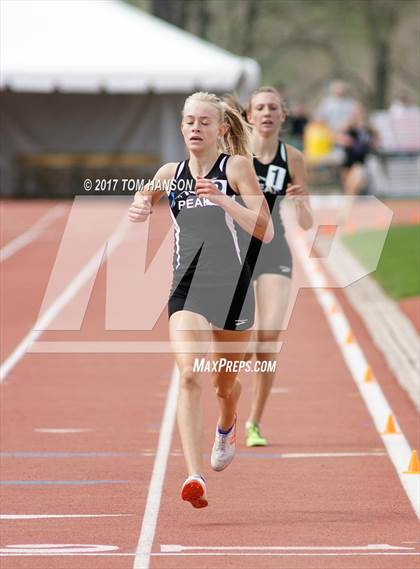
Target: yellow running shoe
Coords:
[[253, 436]]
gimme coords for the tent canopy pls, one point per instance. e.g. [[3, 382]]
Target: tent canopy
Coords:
[[107, 45]]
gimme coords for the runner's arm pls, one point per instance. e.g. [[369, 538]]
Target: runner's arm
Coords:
[[152, 192], [255, 216], [298, 190]]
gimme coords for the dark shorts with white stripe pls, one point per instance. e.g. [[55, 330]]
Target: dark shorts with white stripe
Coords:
[[228, 306], [271, 258]]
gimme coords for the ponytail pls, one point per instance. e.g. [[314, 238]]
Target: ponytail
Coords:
[[237, 139], [232, 100]]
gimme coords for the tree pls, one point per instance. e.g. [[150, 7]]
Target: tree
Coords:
[[173, 11], [251, 17], [382, 18], [305, 43]]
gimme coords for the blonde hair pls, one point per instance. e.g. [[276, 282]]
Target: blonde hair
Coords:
[[237, 138], [232, 100], [274, 91]]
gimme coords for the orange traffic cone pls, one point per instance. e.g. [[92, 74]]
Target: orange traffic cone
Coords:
[[349, 339], [390, 428], [414, 466], [328, 229], [368, 375]]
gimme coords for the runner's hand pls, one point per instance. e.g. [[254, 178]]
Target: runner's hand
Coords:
[[296, 193], [204, 188], [140, 209]]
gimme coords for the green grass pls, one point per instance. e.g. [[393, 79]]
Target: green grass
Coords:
[[398, 269]]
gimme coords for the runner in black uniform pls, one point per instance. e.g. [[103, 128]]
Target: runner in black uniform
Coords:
[[275, 257], [358, 139], [210, 277], [281, 172], [210, 296]]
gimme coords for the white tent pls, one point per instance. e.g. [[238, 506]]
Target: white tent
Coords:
[[108, 45], [100, 76]]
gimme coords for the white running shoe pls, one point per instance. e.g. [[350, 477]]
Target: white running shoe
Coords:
[[223, 449], [194, 491]]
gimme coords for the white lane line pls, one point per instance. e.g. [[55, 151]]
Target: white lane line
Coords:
[[56, 549], [254, 454], [148, 528], [245, 454], [131, 347], [291, 554], [32, 233], [332, 454], [69, 292], [5, 553], [54, 516], [373, 546], [396, 444]]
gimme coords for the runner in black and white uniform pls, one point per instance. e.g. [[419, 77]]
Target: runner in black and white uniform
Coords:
[[281, 173], [209, 275], [274, 257], [210, 297]]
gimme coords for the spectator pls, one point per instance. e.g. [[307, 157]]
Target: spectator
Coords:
[[338, 107], [358, 139], [297, 121], [405, 123], [401, 104], [318, 143]]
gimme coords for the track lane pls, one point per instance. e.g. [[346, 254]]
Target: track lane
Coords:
[[24, 278], [117, 400], [261, 500], [306, 497], [18, 217]]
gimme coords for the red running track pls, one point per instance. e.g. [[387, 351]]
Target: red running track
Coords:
[[267, 498]]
